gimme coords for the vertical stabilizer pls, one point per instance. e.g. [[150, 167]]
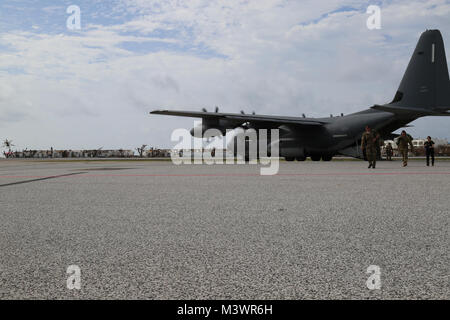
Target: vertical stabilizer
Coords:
[[426, 84]]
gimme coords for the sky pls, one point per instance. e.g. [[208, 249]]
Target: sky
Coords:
[[95, 86]]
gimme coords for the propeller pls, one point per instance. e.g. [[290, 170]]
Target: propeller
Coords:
[[216, 109], [245, 125]]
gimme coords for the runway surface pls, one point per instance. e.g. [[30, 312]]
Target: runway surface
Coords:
[[153, 230]]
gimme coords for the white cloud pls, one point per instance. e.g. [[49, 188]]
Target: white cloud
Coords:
[[275, 57]]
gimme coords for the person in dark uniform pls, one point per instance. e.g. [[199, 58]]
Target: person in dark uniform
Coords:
[[429, 150]]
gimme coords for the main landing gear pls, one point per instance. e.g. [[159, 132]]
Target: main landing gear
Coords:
[[316, 157]]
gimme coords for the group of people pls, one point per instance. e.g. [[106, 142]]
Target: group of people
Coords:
[[370, 141]]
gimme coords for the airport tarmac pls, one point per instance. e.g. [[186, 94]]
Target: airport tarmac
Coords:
[[153, 230]]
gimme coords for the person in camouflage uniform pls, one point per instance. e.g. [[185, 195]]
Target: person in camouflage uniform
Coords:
[[389, 152], [379, 145], [402, 143], [369, 142]]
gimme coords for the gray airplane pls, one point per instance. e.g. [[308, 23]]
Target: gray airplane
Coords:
[[424, 91]]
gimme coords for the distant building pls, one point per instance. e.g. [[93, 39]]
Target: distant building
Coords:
[[73, 154], [157, 153], [441, 145], [419, 142], [438, 142]]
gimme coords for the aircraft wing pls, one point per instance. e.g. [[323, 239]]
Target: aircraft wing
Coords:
[[241, 118]]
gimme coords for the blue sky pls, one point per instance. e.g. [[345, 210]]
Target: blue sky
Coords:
[[95, 86], [50, 16]]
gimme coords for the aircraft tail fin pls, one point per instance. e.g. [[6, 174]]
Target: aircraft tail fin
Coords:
[[425, 84]]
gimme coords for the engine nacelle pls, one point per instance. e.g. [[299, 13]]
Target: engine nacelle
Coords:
[[219, 124], [289, 148]]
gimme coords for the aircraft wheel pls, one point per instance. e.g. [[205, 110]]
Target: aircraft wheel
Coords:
[[301, 158], [315, 158], [289, 158], [327, 157]]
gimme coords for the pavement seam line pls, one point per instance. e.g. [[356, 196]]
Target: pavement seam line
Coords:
[[40, 179]]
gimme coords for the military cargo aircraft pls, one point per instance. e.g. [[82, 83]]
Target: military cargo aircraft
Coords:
[[423, 91]]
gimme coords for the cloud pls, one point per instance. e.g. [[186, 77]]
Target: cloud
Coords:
[[53, 9], [95, 87]]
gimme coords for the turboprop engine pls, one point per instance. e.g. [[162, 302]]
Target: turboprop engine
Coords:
[[219, 124], [289, 145]]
